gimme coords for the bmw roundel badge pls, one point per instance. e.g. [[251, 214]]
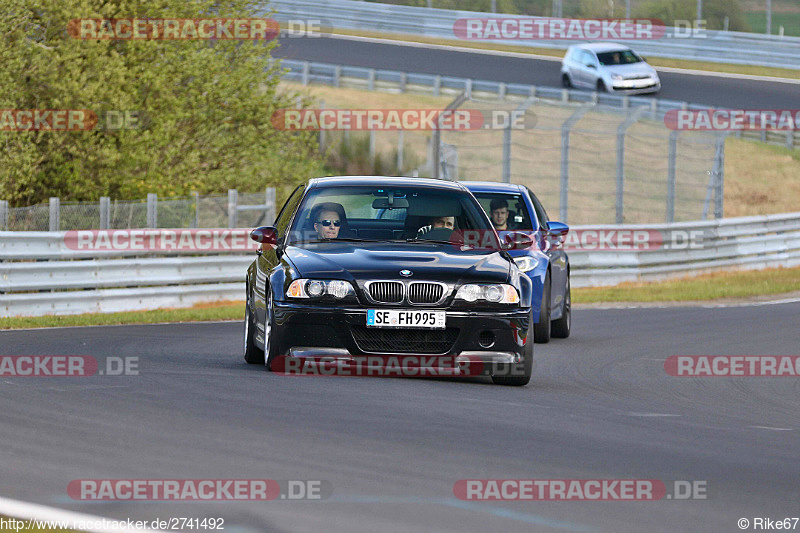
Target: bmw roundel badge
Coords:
[[406, 273]]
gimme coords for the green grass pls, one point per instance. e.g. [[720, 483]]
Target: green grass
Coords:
[[210, 312], [716, 286], [789, 21]]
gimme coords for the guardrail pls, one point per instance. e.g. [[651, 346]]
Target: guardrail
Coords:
[[717, 46], [307, 72], [40, 274]]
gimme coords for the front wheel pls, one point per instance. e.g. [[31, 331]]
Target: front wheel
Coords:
[[541, 331], [252, 353], [566, 82], [270, 346], [601, 86], [516, 374], [562, 326]]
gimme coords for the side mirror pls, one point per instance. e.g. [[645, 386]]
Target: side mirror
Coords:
[[516, 240], [266, 235], [557, 229]]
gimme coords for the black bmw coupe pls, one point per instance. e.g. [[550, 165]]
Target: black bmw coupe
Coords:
[[363, 266]]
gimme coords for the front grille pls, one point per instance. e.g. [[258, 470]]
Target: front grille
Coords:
[[388, 292], [425, 293], [643, 77], [417, 341]]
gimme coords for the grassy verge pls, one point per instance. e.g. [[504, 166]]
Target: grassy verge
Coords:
[[716, 286], [198, 313], [708, 287], [655, 61]]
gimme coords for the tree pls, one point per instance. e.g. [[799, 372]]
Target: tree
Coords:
[[204, 106]]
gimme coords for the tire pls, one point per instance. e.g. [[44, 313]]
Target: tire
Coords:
[[270, 349], [562, 326], [566, 82], [601, 86], [524, 369], [542, 330], [252, 353]]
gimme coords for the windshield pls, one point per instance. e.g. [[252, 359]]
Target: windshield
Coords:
[[622, 57], [373, 213], [507, 211]]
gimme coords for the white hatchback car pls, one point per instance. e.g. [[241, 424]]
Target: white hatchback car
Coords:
[[610, 67]]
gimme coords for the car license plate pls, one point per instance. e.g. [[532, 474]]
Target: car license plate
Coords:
[[380, 318]]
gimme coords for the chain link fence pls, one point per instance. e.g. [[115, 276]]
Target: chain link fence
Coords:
[[208, 211]]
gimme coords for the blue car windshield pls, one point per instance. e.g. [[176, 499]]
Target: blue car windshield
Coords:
[[385, 214]]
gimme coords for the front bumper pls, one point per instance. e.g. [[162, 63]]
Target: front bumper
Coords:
[[630, 87], [307, 330]]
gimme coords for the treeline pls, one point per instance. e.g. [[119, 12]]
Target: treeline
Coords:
[[203, 108]]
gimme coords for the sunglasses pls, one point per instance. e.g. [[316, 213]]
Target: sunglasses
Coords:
[[327, 223]]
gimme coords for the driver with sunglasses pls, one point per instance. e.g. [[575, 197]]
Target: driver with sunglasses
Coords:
[[327, 224]]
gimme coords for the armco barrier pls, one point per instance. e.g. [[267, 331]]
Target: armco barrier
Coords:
[[715, 46], [39, 275]]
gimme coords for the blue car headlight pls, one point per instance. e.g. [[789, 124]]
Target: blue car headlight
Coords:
[[526, 263]]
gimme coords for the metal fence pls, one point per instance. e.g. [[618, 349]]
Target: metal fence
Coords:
[[591, 158], [41, 273], [718, 46], [196, 211]]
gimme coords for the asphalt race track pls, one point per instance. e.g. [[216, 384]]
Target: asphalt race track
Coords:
[[697, 89], [600, 406]]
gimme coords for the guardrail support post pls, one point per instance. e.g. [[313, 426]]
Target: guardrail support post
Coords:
[[468, 87], [152, 210], [671, 172], [565, 129], [337, 75], [306, 72], [403, 81], [55, 214], [371, 80], [270, 211], [233, 202], [437, 85], [501, 91], [790, 139], [105, 212], [564, 96], [4, 215]]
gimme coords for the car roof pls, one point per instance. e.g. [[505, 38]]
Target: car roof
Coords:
[[603, 47], [492, 186], [387, 181]]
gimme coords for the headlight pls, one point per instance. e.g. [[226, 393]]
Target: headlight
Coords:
[[500, 293], [616, 77], [526, 263], [316, 288]]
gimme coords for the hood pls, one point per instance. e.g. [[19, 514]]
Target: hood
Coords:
[[427, 262], [630, 70]]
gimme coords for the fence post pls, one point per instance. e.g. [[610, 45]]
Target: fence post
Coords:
[[507, 153], [621, 131], [565, 130], [233, 201], [372, 140], [436, 138], [105, 212], [152, 210], [400, 149], [719, 175], [270, 211], [4, 215], [671, 173], [322, 131], [55, 214], [196, 196]]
